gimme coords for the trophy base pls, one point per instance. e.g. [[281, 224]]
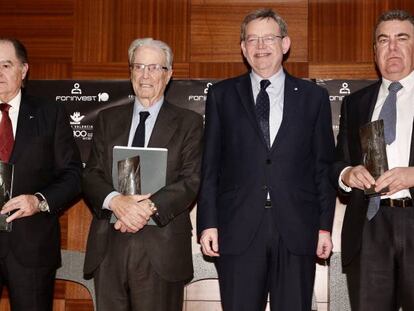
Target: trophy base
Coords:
[[5, 226], [370, 192]]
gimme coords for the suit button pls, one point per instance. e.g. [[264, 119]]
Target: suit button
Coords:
[[268, 161]]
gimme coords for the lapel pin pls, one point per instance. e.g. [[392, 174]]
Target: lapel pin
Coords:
[[295, 88], [31, 117]]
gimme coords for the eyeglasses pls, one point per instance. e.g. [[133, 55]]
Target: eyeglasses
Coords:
[[152, 68], [267, 40]]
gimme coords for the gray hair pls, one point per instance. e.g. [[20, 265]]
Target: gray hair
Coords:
[[19, 48], [153, 43], [393, 15], [21, 53], [263, 14]]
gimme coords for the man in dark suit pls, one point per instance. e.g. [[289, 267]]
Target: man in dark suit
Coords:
[[378, 234], [266, 205], [137, 266], [35, 136]]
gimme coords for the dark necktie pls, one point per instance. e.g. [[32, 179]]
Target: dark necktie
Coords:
[[388, 113], [139, 137], [263, 109], [6, 133]]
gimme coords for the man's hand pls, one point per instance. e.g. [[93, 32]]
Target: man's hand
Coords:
[[132, 211], [358, 177], [324, 245], [24, 205], [396, 179], [209, 242]]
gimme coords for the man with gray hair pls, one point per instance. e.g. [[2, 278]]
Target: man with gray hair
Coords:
[[378, 232], [266, 204], [137, 266]]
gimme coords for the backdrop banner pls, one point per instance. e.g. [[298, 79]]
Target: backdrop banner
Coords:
[[85, 98], [337, 90]]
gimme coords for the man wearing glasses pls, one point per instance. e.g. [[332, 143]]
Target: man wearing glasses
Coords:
[[266, 204], [137, 266]]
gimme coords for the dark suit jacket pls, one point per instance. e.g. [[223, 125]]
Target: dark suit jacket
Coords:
[[46, 159], [180, 131], [238, 170], [356, 111]]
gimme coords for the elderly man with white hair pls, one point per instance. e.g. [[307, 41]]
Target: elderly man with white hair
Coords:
[[136, 266]]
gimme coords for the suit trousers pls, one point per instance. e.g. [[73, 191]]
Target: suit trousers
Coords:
[[30, 289], [266, 267], [381, 277], [126, 280]]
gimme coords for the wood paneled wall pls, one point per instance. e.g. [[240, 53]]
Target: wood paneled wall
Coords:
[[88, 39]]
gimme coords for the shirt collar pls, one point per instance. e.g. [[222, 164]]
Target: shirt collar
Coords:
[[15, 102], [153, 109], [276, 80], [407, 83]]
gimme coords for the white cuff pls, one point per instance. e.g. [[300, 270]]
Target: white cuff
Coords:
[[341, 183], [108, 199]]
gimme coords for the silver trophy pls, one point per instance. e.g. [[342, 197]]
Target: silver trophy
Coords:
[[374, 154], [6, 181], [129, 178]]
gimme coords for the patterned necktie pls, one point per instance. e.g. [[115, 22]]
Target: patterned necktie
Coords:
[[263, 110], [389, 112], [6, 133], [389, 115], [139, 137]]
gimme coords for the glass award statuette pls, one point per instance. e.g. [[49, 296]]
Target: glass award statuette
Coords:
[[374, 155], [6, 181], [138, 170], [129, 178]]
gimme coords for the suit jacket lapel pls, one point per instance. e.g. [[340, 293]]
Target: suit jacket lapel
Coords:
[[411, 160], [368, 104], [244, 89], [26, 127], [120, 129], [164, 127], [291, 98]]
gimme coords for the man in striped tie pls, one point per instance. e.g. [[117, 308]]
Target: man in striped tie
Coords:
[[378, 233]]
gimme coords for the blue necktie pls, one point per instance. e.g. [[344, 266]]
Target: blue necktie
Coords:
[[139, 137], [263, 110], [389, 115]]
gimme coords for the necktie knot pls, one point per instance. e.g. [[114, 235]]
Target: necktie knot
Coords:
[[264, 84], [395, 87], [143, 115], [4, 107]]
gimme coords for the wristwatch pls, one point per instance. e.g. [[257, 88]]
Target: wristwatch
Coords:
[[43, 206]]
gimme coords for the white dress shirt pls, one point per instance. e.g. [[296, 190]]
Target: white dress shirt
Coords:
[[276, 92], [398, 153], [149, 126]]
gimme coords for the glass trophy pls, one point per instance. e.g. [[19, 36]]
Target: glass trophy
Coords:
[[374, 154], [129, 178], [6, 181]]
